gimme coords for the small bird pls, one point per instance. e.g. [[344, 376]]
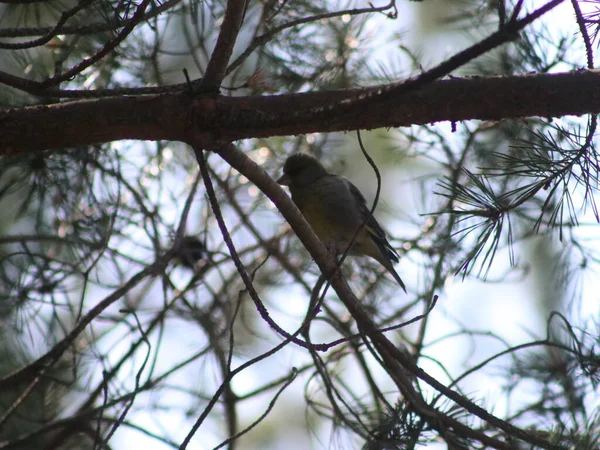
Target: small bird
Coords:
[[335, 209], [190, 251]]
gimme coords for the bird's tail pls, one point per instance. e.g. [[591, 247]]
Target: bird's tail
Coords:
[[390, 268], [387, 255]]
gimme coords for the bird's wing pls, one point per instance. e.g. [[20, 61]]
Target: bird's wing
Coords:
[[346, 208], [372, 226]]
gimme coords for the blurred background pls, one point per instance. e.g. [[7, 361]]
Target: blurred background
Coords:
[[498, 219]]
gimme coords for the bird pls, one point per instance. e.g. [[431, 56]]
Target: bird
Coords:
[[335, 210], [190, 251]]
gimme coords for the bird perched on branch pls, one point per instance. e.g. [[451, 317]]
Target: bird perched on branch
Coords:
[[335, 209]]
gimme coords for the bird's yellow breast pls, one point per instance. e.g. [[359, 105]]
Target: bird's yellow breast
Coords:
[[327, 215], [317, 217]]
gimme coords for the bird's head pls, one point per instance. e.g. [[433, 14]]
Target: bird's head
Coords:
[[301, 170]]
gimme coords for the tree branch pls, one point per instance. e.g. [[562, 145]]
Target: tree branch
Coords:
[[181, 117], [398, 365], [232, 22]]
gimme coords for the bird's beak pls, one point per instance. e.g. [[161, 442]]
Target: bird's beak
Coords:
[[284, 180]]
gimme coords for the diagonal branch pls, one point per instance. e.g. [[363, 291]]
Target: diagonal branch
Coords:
[[398, 365], [81, 29], [232, 22], [233, 252], [53, 356], [137, 17]]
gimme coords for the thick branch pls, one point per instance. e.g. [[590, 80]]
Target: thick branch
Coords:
[[182, 117], [215, 71], [399, 363]]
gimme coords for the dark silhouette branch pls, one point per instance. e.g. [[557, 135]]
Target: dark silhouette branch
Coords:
[[54, 355], [180, 117], [217, 65], [81, 30], [137, 17], [397, 364]]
